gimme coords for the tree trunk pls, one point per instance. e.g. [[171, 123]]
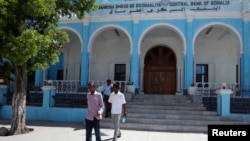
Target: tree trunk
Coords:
[[18, 120]]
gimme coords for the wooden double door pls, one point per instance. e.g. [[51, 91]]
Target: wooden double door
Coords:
[[160, 71]]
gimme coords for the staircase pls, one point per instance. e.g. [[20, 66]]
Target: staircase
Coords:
[[173, 113]]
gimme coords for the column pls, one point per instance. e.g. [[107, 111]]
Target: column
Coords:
[[84, 54], [134, 58], [245, 57], [223, 101], [188, 57], [38, 78], [48, 93]]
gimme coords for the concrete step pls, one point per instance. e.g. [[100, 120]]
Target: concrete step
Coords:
[[167, 99], [161, 97], [170, 125], [158, 107], [173, 116], [186, 122], [174, 113], [157, 127], [168, 112], [162, 103]]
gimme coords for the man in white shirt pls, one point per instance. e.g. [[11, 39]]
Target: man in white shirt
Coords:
[[118, 105]]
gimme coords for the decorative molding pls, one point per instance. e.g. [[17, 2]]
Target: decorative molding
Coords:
[[136, 18], [85, 21], [48, 88], [246, 16], [189, 16], [205, 15]]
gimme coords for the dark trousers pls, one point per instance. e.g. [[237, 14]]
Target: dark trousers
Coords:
[[107, 106], [90, 124]]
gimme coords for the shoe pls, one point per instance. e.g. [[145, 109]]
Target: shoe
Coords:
[[119, 135], [106, 115]]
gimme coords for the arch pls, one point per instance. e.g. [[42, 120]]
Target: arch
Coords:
[[74, 31], [69, 68], [106, 27], [113, 55], [220, 24], [179, 33], [217, 53]]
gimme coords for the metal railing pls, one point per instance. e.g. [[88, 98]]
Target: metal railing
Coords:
[[73, 86], [64, 86], [207, 88], [69, 94], [100, 83], [239, 99]]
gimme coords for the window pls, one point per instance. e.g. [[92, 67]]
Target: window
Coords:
[[237, 77], [120, 72], [201, 73], [59, 74]]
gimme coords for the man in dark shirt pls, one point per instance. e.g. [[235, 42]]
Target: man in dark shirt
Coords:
[[107, 89]]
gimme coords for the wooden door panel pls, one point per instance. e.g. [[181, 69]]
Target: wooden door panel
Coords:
[[154, 78], [152, 82], [154, 90], [160, 71], [160, 82], [170, 83]]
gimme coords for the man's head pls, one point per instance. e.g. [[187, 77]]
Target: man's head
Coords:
[[108, 81], [91, 87], [116, 87]]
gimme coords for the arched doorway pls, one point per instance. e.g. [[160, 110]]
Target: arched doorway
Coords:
[[160, 71]]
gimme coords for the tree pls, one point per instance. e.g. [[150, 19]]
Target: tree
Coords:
[[31, 39]]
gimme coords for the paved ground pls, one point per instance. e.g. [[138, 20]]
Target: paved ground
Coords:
[[74, 131]]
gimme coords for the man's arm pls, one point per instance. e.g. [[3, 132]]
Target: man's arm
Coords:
[[101, 105], [124, 109]]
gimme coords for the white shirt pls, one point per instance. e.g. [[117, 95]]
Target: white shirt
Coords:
[[117, 100]]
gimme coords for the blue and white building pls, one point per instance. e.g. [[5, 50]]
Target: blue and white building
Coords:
[[160, 46], [154, 47]]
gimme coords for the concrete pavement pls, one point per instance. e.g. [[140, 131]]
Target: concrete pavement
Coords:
[[75, 131]]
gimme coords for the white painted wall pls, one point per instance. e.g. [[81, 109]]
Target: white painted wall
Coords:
[[222, 55], [72, 59], [105, 54]]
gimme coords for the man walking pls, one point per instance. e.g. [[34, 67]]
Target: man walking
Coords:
[[118, 105], [107, 89], [94, 113]]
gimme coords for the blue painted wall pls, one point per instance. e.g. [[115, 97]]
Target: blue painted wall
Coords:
[[48, 112]]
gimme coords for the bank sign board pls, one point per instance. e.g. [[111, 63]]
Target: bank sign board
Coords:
[[122, 7]]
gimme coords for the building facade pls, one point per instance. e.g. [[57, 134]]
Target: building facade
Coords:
[[159, 46]]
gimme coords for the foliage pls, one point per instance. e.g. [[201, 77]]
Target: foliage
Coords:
[[30, 36], [31, 40]]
